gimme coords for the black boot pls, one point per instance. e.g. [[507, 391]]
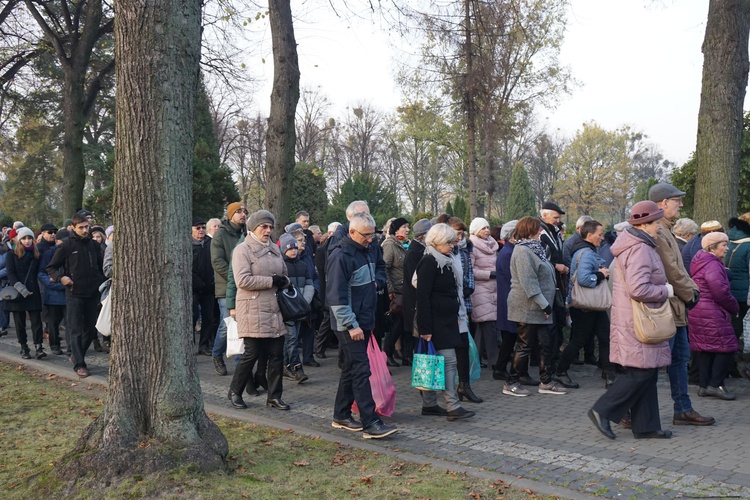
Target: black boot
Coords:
[[464, 391], [25, 351], [40, 352], [390, 361], [250, 388]]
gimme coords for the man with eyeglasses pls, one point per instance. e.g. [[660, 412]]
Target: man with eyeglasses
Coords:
[[77, 264], [222, 245], [203, 285], [686, 296], [48, 232], [351, 293]]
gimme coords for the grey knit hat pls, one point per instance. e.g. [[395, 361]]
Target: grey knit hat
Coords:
[[287, 242], [260, 217], [421, 227], [508, 229]]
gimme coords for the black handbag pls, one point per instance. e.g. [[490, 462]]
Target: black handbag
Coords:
[[292, 304]]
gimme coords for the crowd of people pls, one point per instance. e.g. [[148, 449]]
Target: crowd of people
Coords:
[[503, 297]]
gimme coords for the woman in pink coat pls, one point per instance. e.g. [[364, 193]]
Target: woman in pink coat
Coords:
[[711, 331], [638, 275], [484, 298]]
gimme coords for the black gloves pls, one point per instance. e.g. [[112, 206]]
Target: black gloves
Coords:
[[694, 302], [279, 280], [493, 275], [467, 292], [548, 310]]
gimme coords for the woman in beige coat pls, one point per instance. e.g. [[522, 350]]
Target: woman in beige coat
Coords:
[[259, 270]]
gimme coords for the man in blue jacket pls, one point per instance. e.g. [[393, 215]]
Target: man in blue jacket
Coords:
[[351, 293]]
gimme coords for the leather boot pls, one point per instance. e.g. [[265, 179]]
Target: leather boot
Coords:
[[25, 351], [40, 352], [464, 391]]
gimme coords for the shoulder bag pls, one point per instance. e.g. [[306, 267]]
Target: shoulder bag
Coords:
[[652, 326], [9, 293], [292, 304], [598, 298]]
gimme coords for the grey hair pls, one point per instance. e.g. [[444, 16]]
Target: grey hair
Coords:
[[353, 206], [546, 211], [440, 234], [361, 221], [332, 226], [582, 220], [213, 221], [314, 228], [685, 228]]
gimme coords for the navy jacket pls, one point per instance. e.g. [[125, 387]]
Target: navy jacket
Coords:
[[502, 273], [351, 290], [53, 293]]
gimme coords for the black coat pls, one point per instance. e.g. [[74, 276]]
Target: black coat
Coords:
[[18, 270], [413, 256], [203, 271], [81, 259], [320, 265], [437, 304]]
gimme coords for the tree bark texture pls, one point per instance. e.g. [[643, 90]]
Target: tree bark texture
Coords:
[[154, 417], [281, 134], [469, 103], [725, 73]]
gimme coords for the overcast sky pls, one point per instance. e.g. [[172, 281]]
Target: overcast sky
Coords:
[[639, 63]]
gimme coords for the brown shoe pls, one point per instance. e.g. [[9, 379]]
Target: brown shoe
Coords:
[[82, 372], [692, 417], [626, 422]]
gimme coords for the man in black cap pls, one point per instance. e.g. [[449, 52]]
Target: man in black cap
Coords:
[[48, 232], [551, 239], [203, 285]]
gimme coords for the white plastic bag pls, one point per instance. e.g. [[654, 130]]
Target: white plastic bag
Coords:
[[746, 333], [235, 345], [104, 321]]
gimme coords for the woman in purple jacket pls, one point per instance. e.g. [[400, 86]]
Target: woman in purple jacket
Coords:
[[711, 330], [638, 275]]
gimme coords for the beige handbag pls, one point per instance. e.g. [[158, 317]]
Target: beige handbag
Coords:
[[652, 326], [598, 298]]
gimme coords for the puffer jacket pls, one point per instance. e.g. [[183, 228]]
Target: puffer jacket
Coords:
[[257, 310], [299, 276], [637, 261], [393, 255], [532, 287], [484, 298], [738, 259], [710, 320], [222, 244], [503, 288], [677, 275], [584, 265], [53, 292]]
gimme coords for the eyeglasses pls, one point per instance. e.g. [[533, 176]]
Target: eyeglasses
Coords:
[[200, 228], [51, 232], [265, 227], [242, 211], [367, 236]]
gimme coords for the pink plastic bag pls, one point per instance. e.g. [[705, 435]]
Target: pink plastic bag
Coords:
[[381, 382]]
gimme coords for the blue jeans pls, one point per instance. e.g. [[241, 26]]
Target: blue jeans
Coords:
[[220, 343], [678, 371], [291, 350]]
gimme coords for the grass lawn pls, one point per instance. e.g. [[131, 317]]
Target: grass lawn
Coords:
[[42, 416]]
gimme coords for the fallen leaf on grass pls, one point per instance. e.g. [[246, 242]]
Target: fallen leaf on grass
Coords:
[[423, 467], [397, 473], [475, 495], [51, 376], [290, 431], [301, 463], [366, 479]]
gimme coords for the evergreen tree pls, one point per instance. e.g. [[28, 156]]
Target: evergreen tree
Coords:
[[641, 190], [520, 201], [449, 208], [382, 201], [461, 209], [309, 192]]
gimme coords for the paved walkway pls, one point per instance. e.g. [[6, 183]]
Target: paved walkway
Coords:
[[544, 438]]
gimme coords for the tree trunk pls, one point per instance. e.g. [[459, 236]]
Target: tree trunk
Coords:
[[74, 172], [725, 72], [471, 155], [281, 135], [154, 417]]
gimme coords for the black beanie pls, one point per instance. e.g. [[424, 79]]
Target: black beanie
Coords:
[[396, 224]]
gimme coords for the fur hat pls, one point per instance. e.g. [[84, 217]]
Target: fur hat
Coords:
[[23, 232], [477, 225], [287, 242], [233, 207], [396, 224], [421, 227], [661, 191], [711, 238], [507, 230], [255, 219], [644, 212]]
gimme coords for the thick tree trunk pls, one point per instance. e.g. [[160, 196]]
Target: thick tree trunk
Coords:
[[154, 417], [74, 172], [725, 72], [281, 135]]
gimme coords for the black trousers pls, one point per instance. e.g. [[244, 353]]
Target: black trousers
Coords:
[[532, 337], [324, 334], [354, 382], [81, 314], [633, 390], [586, 326], [713, 368], [274, 347], [462, 359], [55, 316], [396, 332], [37, 333], [505, 352], [203, 306]]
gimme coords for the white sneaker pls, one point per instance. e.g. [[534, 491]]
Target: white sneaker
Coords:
[[515, 389], [552, 388]]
